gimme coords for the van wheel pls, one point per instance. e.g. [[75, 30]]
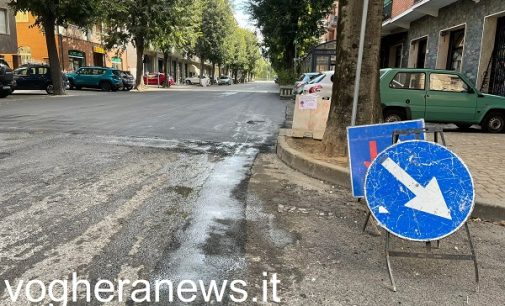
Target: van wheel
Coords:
[[50, 89], [394, 115], [494, 122], [105, 86]]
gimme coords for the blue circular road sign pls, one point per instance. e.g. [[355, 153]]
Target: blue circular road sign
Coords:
[[420, 191]]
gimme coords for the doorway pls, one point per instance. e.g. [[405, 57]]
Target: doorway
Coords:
[[497, 80]]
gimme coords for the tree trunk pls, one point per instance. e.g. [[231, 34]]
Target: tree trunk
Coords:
[[166, 83], [213, 71], [202, 67], [219, 67], [54, 59], [369, 107], [139, 44]]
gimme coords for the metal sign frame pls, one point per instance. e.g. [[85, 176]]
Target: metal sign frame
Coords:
[[439, 138]]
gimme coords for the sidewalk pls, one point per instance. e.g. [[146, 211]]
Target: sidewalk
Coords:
[[482, 152]]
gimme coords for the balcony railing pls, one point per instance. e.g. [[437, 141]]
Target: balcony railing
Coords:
[[388, 9]]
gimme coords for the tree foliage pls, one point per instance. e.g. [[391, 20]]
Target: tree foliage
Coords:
[[289, 27], [136, 22], [49, 15], [216, 25]]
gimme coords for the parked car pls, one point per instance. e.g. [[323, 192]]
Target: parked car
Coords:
[[128, 80], [106, 79], [196, 80], [439, 96], [158, 79], [6, 79], [225, 80], [321, 85], [36, 77], [303, 80]]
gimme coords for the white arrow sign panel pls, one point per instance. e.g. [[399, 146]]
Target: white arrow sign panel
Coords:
[[427, 199]]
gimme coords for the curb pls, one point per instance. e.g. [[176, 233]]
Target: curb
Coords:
[[317, 169], [340, 176]]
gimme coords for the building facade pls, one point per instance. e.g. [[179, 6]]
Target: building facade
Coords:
[[323, 57], [8, 35], [462, 35], [76, 48]]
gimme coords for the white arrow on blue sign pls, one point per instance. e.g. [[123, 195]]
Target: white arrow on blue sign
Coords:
[[419, 191]]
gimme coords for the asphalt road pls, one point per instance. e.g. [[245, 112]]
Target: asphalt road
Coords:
[[131, 186]]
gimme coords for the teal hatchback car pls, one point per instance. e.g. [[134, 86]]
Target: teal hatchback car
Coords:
[[107, 79], [439, 96]]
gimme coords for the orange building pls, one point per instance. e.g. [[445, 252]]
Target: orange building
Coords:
[[31, 41], [76, 48]]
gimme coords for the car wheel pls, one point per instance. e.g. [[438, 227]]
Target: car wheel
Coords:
[[71, 84], [50, 89], [394, 115], [494, 122], [105, 86], [188, 82], [4, 94], [463, 126]]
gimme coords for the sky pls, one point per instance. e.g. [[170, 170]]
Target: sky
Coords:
[[241, 14]]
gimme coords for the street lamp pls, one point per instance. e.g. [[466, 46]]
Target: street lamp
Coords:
[[357, 81]]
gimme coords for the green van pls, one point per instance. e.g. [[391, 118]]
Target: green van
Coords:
[[439, 96], [106, 79]]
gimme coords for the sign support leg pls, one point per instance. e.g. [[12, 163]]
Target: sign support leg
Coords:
[[474, 256], [368, 216], [388, 262]]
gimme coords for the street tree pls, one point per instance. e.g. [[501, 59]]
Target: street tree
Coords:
[[253, 54], [215, 27], [135, 22], [369, 107], [286, 25], [179, 30], [49, 15], [237, 52]]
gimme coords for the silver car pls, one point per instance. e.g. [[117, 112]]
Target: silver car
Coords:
[[224, 80]]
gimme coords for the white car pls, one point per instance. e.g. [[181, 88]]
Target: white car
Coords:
[[196, 80], [321, 86]]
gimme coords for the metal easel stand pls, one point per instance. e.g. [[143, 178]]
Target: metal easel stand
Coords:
[[396, 138], [438, 135]]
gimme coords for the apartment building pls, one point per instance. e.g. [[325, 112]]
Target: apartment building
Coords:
[[8, 39], [324, 56], [77, 48], [463, 35]]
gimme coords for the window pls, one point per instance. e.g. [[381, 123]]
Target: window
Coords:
[[3, 22], [22, 17], [42, 70], [455, 55], [86, 71], [26, 54], [98, 71], [21, 71], [409, 80], [447, 82]]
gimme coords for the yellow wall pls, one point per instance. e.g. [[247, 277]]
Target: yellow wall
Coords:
[[31, 36]]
